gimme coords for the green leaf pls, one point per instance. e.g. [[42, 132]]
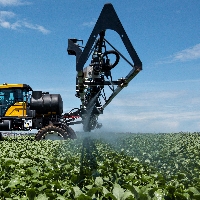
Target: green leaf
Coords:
[[42, 188], [98, 181], [158, 194], [182, 196], [14, 182], [41, 197], [92, 191], [105, 191], [171, 189], [89, 187], [74, 178], [6, 195], [23, 198], [111, 196], [36, 175], [84, 197], [193, 190], [23, 183], [147, 161], [118, 192], [77, 191], [61, 198], [196, 196], [31, 193], [128, 194]]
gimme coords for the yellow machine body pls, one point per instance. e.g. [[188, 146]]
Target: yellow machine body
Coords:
[[16, 110]]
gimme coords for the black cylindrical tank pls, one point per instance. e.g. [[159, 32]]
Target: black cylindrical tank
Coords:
[[45, 103]]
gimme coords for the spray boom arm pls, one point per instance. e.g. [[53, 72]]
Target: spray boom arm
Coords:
[[92, 81]]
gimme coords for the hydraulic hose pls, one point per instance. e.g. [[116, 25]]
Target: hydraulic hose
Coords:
[[117, 58]]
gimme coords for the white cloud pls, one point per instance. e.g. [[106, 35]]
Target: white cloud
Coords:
[[155, 121], [36, 27], [191, 53], [6, 14], [150, 116], [5, 24], [188, 54], [89, 24], [13, 2], [164, 111], [8, 20]]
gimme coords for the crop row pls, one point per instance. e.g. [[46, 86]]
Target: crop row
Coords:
[[175, 155], [85, 168]]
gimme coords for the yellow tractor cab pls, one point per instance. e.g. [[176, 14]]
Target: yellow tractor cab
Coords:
[[14, 99]]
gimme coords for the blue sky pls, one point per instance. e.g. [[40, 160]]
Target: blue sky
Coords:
[[163, 97]]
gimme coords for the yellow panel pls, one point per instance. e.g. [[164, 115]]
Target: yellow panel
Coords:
[[5, 85], [17, 110]]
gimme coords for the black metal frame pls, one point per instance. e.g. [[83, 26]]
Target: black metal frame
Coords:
[[108, 19]]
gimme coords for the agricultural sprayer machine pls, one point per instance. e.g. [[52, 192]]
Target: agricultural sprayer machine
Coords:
[[22, 109]]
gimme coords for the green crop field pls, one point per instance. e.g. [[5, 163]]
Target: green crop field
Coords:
[[102, 166]]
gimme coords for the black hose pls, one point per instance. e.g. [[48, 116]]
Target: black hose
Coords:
[[117, 58]]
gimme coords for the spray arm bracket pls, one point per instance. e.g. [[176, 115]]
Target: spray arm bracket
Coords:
[[91, 80]]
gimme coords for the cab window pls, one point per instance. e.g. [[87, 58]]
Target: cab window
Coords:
[[8, 97]]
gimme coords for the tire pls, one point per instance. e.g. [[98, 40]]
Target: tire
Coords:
[[72, 134], [52, 133], [70, 131]]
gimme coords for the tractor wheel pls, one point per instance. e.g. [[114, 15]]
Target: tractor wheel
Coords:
[[51, 132], [70, 131]]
